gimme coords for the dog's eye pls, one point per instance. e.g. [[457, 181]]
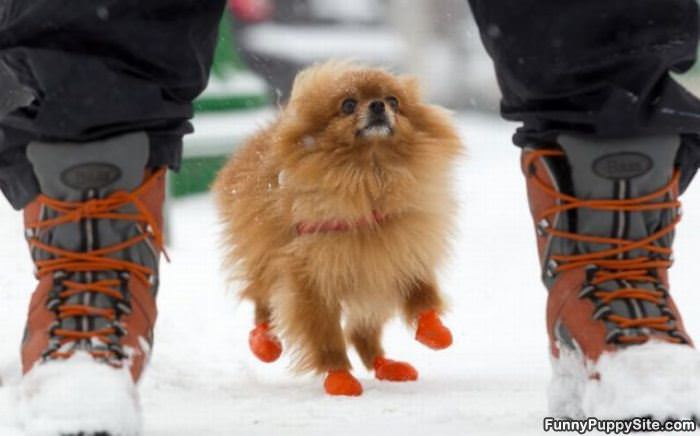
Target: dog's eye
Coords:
[[393, 102], [348, 106]]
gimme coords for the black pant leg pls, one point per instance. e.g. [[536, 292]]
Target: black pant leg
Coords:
[[599, 66], [595, 66], [77, 70]]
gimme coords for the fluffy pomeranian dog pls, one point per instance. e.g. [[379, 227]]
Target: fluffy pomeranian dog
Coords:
[[337, 215]]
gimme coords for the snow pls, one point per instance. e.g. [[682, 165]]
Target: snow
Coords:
[[627, 379], [79, 392], [656, 379], [568, 384], [493, 380]]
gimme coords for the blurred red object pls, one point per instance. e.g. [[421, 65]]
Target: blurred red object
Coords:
[[251, 10]]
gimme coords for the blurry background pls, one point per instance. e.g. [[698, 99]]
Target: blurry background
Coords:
[[434, 40], [264, 43]]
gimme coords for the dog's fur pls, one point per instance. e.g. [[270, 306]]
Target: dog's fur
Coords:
[[315, 164]]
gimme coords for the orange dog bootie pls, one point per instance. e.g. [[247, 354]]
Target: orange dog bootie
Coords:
[[341, 382], [264, 344], [392, 370], [431, 332]]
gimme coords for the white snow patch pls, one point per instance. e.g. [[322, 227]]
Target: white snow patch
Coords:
[[656, 378], [78, 394], [569, 378]]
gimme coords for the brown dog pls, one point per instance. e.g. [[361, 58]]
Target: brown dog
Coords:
[[340, 210]]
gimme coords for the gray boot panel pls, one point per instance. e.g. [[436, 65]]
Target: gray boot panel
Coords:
[[614, 169], [67, 170]]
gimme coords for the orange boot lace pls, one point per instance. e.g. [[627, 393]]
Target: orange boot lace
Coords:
[[607, 263], [64, 262]]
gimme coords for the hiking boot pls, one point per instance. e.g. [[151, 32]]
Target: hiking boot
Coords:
[[604, 214], [95, 238]]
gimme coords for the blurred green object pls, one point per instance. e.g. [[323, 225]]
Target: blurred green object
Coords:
[[231, 85], [196, 175], [232, 90]]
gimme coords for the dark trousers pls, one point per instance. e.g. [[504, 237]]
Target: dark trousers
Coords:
[[78, 70], [598, 67]]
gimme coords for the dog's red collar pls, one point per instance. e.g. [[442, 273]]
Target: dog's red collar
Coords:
[[338, 224]]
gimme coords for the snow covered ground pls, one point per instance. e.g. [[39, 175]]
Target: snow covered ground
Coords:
[[204, 381]]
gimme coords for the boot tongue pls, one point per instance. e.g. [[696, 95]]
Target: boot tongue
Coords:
[[68, 171], [620, 169], [74, 172], [617, 169]]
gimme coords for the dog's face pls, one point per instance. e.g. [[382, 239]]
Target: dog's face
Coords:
[[368, 111], [341, 107], [359, 129]]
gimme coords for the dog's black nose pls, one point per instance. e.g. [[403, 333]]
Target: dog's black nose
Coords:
[[377, 107]]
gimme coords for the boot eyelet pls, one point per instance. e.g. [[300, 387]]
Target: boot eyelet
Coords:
[[117, 350], [124, 308], [678, 335], [59, 275], [53, 326], [53, 304], [51, 348], [602, 312], [666, 311], [613, 336], [120, 329], [586, 291], [551, 268]]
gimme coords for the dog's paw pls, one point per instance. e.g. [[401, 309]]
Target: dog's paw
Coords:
[[391, 370], [341, 382], [264, 344], [431, 332]]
